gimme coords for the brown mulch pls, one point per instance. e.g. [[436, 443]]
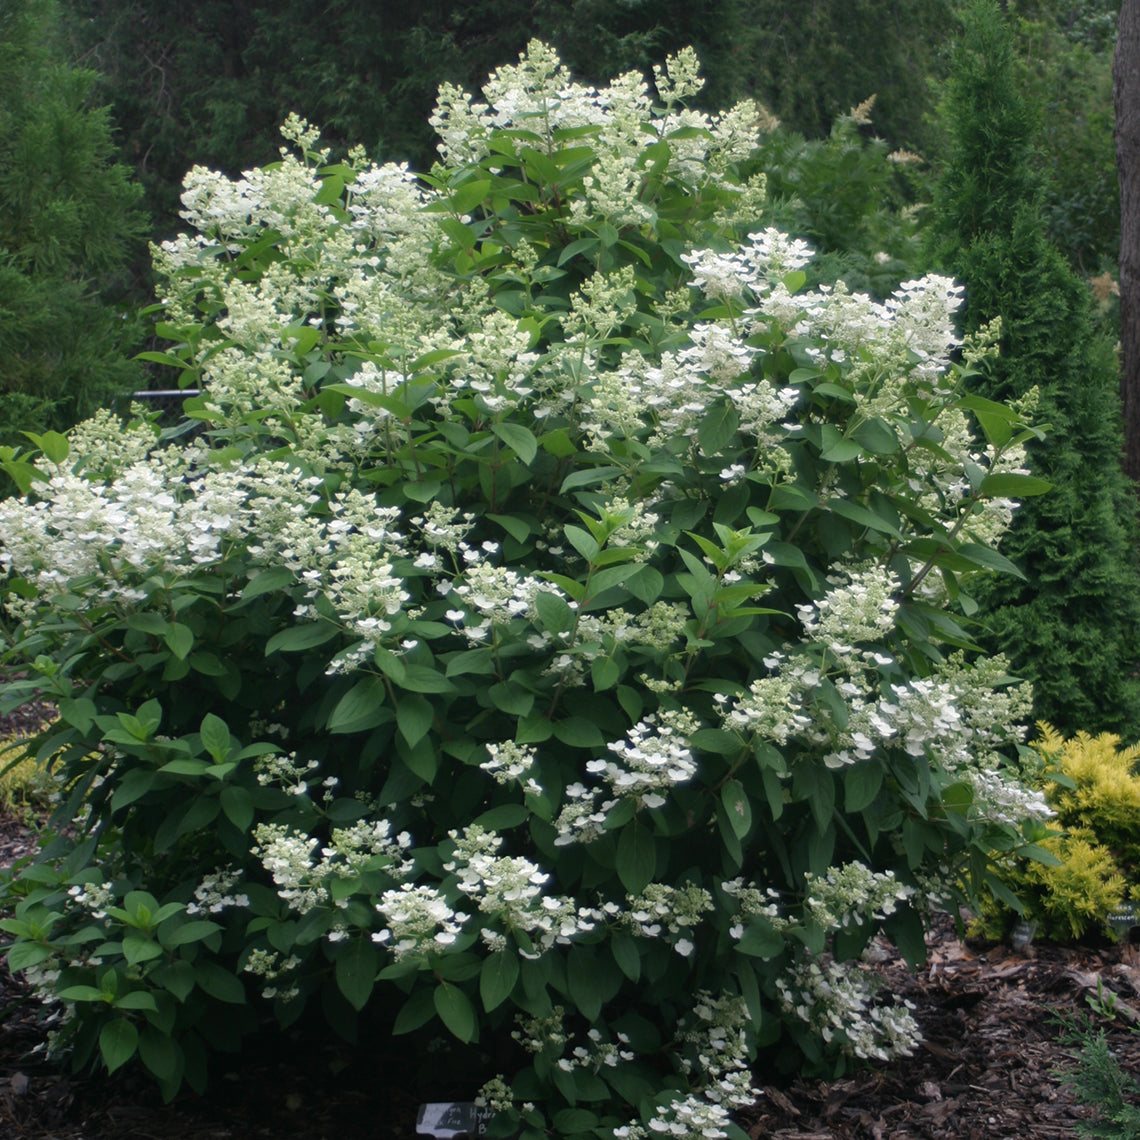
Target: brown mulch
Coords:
[[988, 1069]]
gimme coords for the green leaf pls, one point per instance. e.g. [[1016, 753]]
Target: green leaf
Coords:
[[138, 947], [118, 1041], [636, 857], [148, 623], [645, 584], [363, 707], [717, 741], [876, 437], [519, 439], [237, 804], [582, 981], [497, 977], [718, 428], [518, 529], [416, 1011], [219, 983], [574, 1121], [179, 639], [25, 954], [215, 735], [301, 637], [861, 783], [511, 698], [173, 936], [623, 946], [988, 557], [136, 999], [269, 581], [177, 977], [425, 679], [132, 786], [835, 447], [864, 517], [414, 717], [480, 661], [54, 446], [186, 767], [1010, 486], [159, 1053], [904, 928], [582, 541], [579, 732], [455, 1011], [78, 712], [737, 807], [503, 817], [760, 940], [466, 197], [553, 611], [356, 969], [82, 993], [589, 477]]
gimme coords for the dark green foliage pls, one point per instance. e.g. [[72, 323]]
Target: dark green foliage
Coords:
[[68, 223], [811, 61], [1073, 626], [1063, 56], [210, 83], [848, 200], [1098, 1080]]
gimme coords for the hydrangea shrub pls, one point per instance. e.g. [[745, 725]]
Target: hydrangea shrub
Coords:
[[547, 638]]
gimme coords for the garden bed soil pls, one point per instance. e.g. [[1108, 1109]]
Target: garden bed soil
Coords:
[[988, 1067]]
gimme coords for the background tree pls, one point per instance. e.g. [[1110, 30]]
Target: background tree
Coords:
[[210, 83], [1063, 57], [810, 62], [69, 222], [1126, 99], [1073, 625]]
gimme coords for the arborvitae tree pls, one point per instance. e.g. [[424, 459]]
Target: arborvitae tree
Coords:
[[1072, 626], [69, 222]]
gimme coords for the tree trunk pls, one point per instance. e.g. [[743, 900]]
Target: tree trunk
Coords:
[[1126, 99]]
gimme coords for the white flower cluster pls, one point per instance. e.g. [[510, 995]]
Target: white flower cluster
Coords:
[[753, 269], [837, 1002], [715, 1039], [492, 596], [860, 609], [286, 771], [598, 1054], [96, 897], [653, 758], [368, 845], [538, 95], [508, 891], [661, 908], [214, 893], [752, 902], [852, 893], [420, 921], [302, 881], [288, 857], [511, 762], [268, 964]]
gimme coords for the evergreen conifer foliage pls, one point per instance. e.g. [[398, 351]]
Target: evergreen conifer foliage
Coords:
[[1072, 626], [69, 220]]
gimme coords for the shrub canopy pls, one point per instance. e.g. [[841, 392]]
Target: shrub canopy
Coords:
[[554, 609]]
